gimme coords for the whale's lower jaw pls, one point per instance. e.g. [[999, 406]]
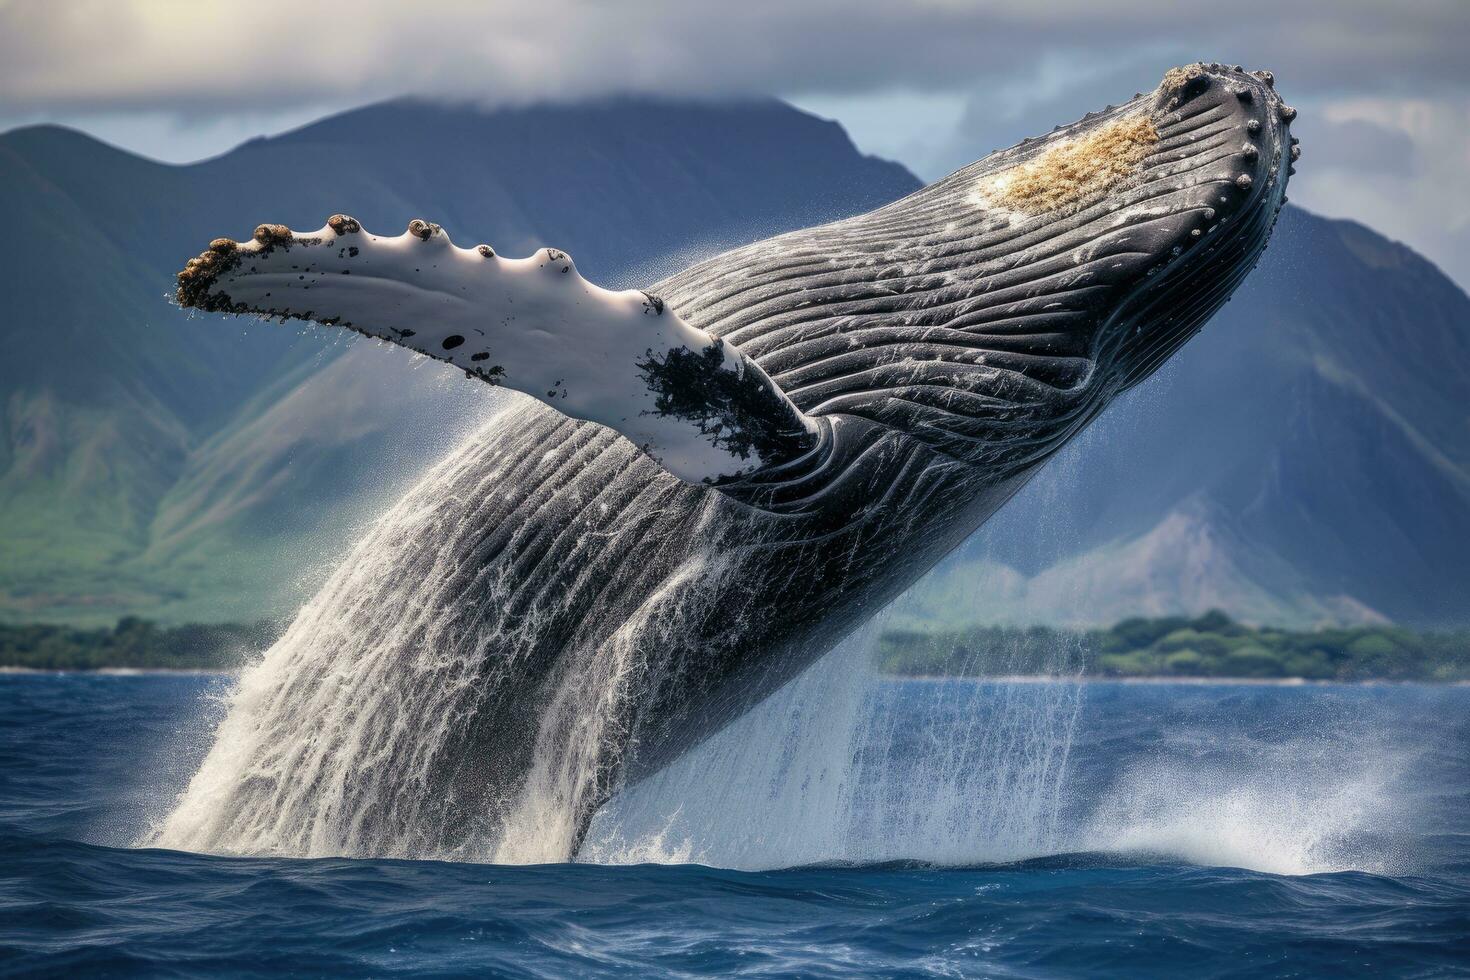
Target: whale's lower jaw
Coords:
[[1183, 291], [990, 323], [568, 615]]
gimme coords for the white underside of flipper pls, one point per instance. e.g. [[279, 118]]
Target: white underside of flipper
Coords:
[[532, 324]]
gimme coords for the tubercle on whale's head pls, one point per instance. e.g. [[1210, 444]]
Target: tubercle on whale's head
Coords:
[[1166, 200]]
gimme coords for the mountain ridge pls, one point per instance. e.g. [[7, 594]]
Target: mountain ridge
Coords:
[[152, 463], [1306, 460]]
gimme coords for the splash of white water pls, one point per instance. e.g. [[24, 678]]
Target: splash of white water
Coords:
[[542, 827], [829, 769], [363, 730], [1301, 805], [336, 741], [836, 767], [342, 739]]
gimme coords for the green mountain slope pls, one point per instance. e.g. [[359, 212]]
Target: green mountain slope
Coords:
[[1306, 460], [201, 468]]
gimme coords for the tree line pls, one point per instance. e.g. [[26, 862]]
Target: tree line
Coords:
[[1212, 645], [133, 642]]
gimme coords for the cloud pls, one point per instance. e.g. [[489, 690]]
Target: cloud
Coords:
[[1383, 90], [1395, 164], [110, 55], [1364, 146]]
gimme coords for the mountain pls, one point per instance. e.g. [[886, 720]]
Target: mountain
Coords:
[[178, 468], [1305, 460]]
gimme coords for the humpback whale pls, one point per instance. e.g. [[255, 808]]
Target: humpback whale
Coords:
[[714, 479]]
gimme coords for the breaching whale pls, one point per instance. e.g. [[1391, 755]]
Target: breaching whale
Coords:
[[718, 478]]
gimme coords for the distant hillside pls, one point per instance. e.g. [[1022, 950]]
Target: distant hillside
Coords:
[[1305, 460], [1208, 646], [206, 469]]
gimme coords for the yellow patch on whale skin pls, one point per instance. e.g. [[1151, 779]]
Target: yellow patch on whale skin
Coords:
[[1176, 78], [1075, 170]]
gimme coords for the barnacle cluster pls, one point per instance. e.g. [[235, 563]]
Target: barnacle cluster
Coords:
[[1075, 170]]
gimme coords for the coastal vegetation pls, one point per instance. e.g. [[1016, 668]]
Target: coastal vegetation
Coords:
[[133, 643], [1208, 646]]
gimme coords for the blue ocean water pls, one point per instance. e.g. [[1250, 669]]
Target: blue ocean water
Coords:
[[1138, 830]]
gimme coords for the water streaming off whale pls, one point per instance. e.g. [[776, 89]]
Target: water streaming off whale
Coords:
[[829, 769], [346, 738]]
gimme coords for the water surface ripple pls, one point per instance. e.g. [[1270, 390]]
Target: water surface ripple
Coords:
[[1194, 830]]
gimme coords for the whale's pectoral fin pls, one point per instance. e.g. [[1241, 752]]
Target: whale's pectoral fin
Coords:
[[697, 405]]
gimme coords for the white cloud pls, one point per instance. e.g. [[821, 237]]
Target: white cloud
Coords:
[[1426, 202], [91, 54]]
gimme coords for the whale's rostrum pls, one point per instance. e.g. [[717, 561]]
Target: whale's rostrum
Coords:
[[728, 472]]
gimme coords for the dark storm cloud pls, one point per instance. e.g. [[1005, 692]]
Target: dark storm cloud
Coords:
[[99, 55]]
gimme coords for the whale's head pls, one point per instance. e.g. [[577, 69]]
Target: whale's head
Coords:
[[1160, 205], [994, 312]]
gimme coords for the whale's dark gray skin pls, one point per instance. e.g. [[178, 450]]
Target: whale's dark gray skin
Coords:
[[939, 349]]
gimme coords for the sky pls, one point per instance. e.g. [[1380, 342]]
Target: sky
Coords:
[[1382, 87]]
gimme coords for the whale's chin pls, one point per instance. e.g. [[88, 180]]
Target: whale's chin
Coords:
[[1181, 186], [993, 313]]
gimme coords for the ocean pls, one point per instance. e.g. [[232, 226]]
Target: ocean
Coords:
[[946, 828]]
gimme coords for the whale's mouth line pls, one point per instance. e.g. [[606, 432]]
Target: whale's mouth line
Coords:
[[1193, 291], [1182, 293], [1183, 151]]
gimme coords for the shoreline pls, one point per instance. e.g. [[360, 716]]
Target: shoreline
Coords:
[[9, 670], [1160, 680], [14, 671]]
